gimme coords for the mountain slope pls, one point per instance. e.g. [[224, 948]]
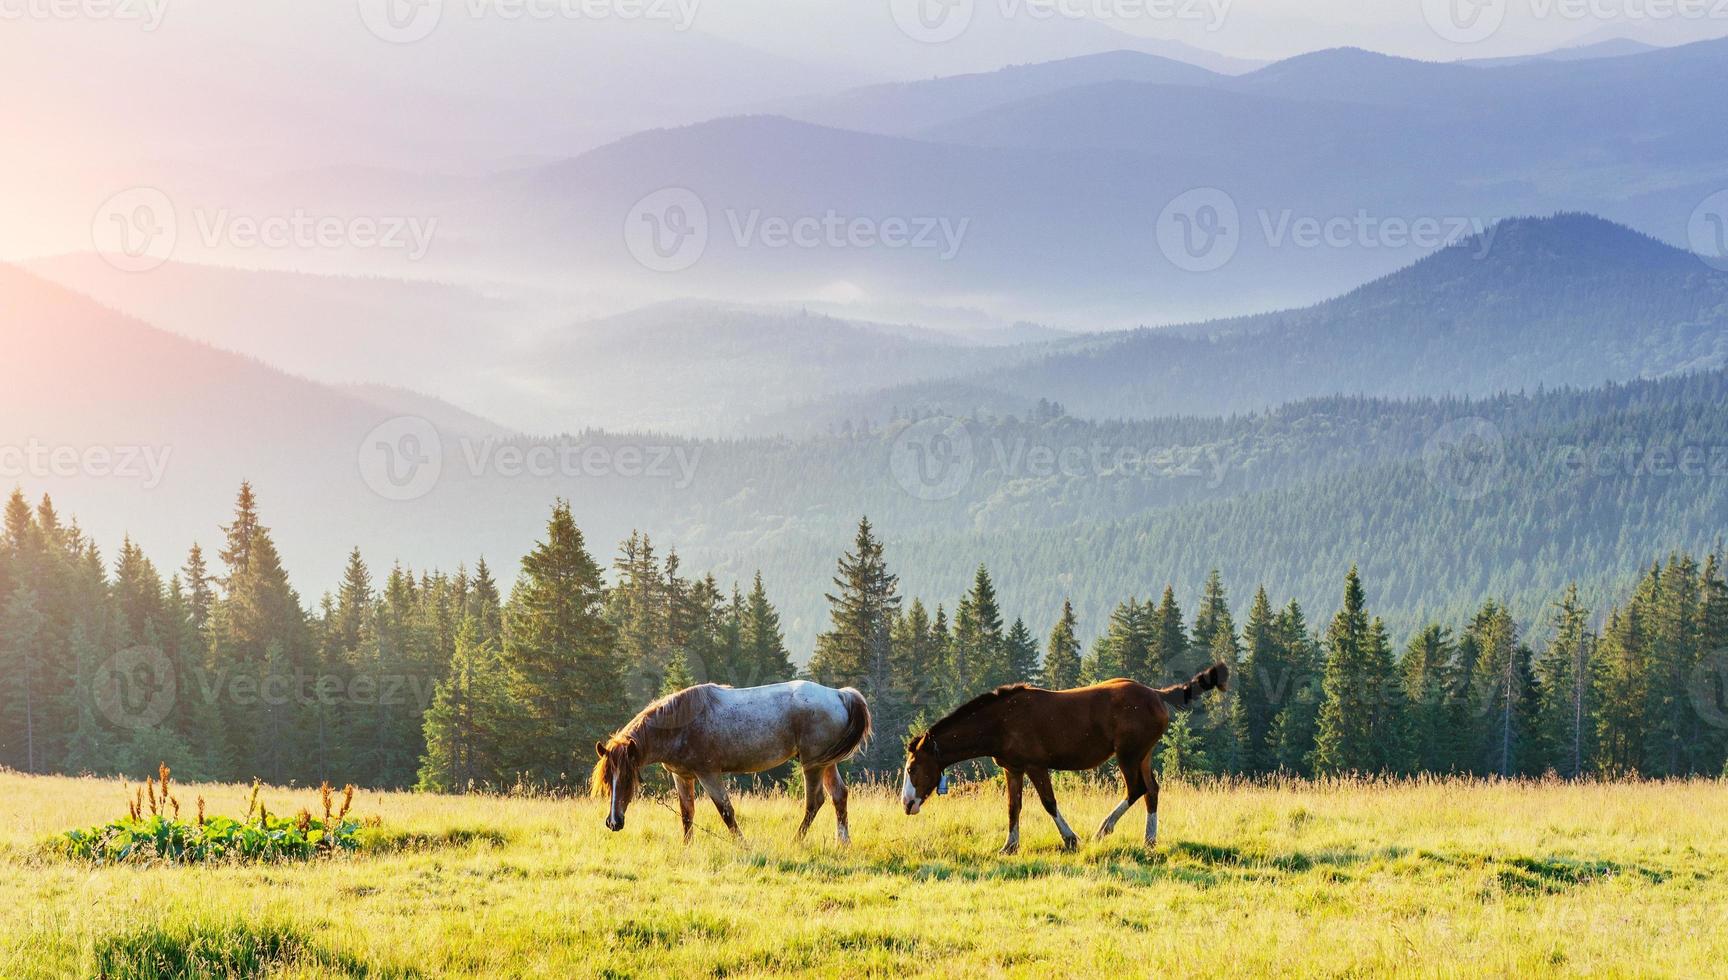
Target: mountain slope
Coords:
[[905, 109], [1569, 300]]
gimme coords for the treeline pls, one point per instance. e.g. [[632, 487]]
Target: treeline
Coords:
[[442, 681], [435, 679], [1647, 694]]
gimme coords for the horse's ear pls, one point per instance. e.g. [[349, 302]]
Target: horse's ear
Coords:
[[917, 743], [600, 749]]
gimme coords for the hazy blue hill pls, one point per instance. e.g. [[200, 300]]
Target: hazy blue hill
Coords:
[[704, 368], [1183, 120], [1556, 301], [910, 107]]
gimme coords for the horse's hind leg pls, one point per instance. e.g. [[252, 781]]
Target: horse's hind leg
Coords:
[[686, 803], [1134, 780], [715, 784], [1047, 795], [832, 779], [1151, 801], [1016, 788], [812, 798]]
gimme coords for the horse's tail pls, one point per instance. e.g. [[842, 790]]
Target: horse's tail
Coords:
[[1182, 695], [852, 741]]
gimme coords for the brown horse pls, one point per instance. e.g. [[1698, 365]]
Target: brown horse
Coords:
[[1029, 731]]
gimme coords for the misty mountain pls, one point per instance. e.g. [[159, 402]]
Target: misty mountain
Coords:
[[909, 108], [1055, 204], [1569, 300], [701, 368]]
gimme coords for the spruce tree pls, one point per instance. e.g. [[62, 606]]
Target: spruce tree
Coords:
[[1343, 742], [856, 650], [1021, 652], [1564, 675], [1062, 652], [566, 678]]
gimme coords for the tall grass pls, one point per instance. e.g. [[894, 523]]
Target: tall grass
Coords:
[[1346, 877]]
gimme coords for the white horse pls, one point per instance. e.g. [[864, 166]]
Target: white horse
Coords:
[[704, 732]]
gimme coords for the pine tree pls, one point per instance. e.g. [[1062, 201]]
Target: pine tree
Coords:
[[466, 728], [1062, 653], [1564, 676], [1180, 751], [1343, 742], [856, 650], [1168, 657], [1427, 672], [1502, 690], [562, 654], [764, 643], [980, 655], [1263, 686], [1021, 653]]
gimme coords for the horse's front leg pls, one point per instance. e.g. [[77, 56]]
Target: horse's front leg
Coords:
[[1047, 796], [715, 784], [686, 803], [812, 799], [1016, 786]]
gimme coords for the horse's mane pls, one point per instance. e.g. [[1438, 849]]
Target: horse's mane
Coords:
[[670, 713], [988, 697]]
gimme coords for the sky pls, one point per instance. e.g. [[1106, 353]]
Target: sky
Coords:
[[121, 93]]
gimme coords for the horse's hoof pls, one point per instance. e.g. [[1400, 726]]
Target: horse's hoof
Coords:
[[1009, 850], [1070, 843]]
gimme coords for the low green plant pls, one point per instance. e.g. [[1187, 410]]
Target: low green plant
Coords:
[[153, 830]]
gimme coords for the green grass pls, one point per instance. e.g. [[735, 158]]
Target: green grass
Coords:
[[1430, 878]]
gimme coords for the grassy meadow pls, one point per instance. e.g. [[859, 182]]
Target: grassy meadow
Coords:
[[1428, 878]]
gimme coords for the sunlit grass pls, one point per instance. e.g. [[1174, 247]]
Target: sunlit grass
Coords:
[[1431, 877]]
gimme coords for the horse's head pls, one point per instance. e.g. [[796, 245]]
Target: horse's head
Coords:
[[923, 773], [616, 776]]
